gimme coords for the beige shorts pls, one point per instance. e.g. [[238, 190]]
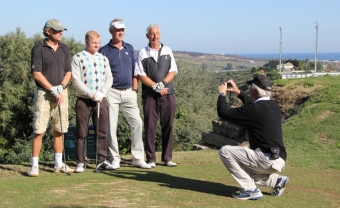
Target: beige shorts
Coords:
[[45, 107]]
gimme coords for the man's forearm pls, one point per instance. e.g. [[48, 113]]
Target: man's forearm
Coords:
[[41, 79], [146, 81], [169, 77], [66, 78]]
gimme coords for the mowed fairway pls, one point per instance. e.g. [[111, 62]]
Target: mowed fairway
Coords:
[[200, 180]]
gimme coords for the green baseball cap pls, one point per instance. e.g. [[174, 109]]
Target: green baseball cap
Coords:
[[55, 24]]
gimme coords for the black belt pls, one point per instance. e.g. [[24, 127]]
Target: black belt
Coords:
[[121, 89]]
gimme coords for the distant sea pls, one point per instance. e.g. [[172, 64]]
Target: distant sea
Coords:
[[300, 56]]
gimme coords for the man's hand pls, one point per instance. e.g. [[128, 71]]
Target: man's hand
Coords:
[[222, 88], [164, 91], [231, 87], [98, 97], [60, 98], [158, 87]]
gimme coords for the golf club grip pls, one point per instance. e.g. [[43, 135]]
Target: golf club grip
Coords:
[[98, 109]]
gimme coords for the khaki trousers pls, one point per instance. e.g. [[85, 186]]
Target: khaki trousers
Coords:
[[251, 167], [126, 100]]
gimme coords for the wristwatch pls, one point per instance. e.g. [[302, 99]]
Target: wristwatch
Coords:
[[63, 86], [221, 94], [164, 82], [136, 90]]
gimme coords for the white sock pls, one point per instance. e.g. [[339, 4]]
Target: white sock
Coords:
[[35, 161], [58, 157]]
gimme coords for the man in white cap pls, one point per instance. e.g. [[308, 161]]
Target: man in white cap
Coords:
[[123, 94], [51, 68]]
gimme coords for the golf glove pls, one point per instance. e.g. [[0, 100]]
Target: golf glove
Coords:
[[60, 88], [54, 91], [98, 96], [158, 86]]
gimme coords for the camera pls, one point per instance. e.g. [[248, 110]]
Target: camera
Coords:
[[229, 85]]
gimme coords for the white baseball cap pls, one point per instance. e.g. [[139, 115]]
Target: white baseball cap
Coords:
[[118, 24]]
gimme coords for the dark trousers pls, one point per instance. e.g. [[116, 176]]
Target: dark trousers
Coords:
[[165, 108], [86, 108]]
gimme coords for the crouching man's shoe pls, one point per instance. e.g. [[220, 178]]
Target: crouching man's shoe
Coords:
[[280, 186], [248, 195]]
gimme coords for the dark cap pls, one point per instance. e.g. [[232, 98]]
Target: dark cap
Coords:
[[262, 82]]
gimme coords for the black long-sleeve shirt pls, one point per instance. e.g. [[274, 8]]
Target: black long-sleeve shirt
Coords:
[[262, 119]]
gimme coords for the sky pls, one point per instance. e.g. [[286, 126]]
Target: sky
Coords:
[[215, 26]]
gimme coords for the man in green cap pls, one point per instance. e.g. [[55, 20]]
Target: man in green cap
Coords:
[[51, 69]]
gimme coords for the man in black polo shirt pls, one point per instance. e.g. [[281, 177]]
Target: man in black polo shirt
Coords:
[[156, 68], [267, 154], [51, 68]]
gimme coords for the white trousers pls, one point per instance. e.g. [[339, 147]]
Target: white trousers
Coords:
[[251, 167], [127, 101]]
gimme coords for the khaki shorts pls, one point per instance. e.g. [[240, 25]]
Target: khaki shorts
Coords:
[[45, 107]]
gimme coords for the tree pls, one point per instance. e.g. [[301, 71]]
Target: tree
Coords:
[[229, 66], [16, 94], [272, 64], [306, 64]]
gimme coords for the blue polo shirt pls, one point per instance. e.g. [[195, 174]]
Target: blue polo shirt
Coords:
[[121, 63]]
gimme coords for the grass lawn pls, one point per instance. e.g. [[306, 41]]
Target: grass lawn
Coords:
[[200, 180]]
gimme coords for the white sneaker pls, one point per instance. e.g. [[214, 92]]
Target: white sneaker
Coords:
[[63, 169], [169, 164], [141, 164], [248, 195], [80, 168], [152, 164], [115, 164], [105, 166], [34, 172]]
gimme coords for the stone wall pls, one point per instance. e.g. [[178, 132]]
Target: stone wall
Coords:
[[225, 133]]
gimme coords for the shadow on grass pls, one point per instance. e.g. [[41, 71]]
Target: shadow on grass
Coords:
[[176, 182], [43, 166]]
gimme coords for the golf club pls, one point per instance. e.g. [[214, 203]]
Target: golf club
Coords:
[[85, 152], [97, 127], [62, 134]]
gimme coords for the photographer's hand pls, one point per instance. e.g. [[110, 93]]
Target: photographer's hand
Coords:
[[231, 87], [222, 88]]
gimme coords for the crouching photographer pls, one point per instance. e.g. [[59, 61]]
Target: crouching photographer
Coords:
[[259, 164]]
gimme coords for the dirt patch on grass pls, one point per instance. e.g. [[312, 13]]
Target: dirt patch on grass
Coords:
[[325, 115], [325, 138], [291, 96]]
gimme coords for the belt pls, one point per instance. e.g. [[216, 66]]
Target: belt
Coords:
[[121, 89]]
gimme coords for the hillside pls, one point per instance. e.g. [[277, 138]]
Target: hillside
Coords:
[[311, 119], [217, 62]]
